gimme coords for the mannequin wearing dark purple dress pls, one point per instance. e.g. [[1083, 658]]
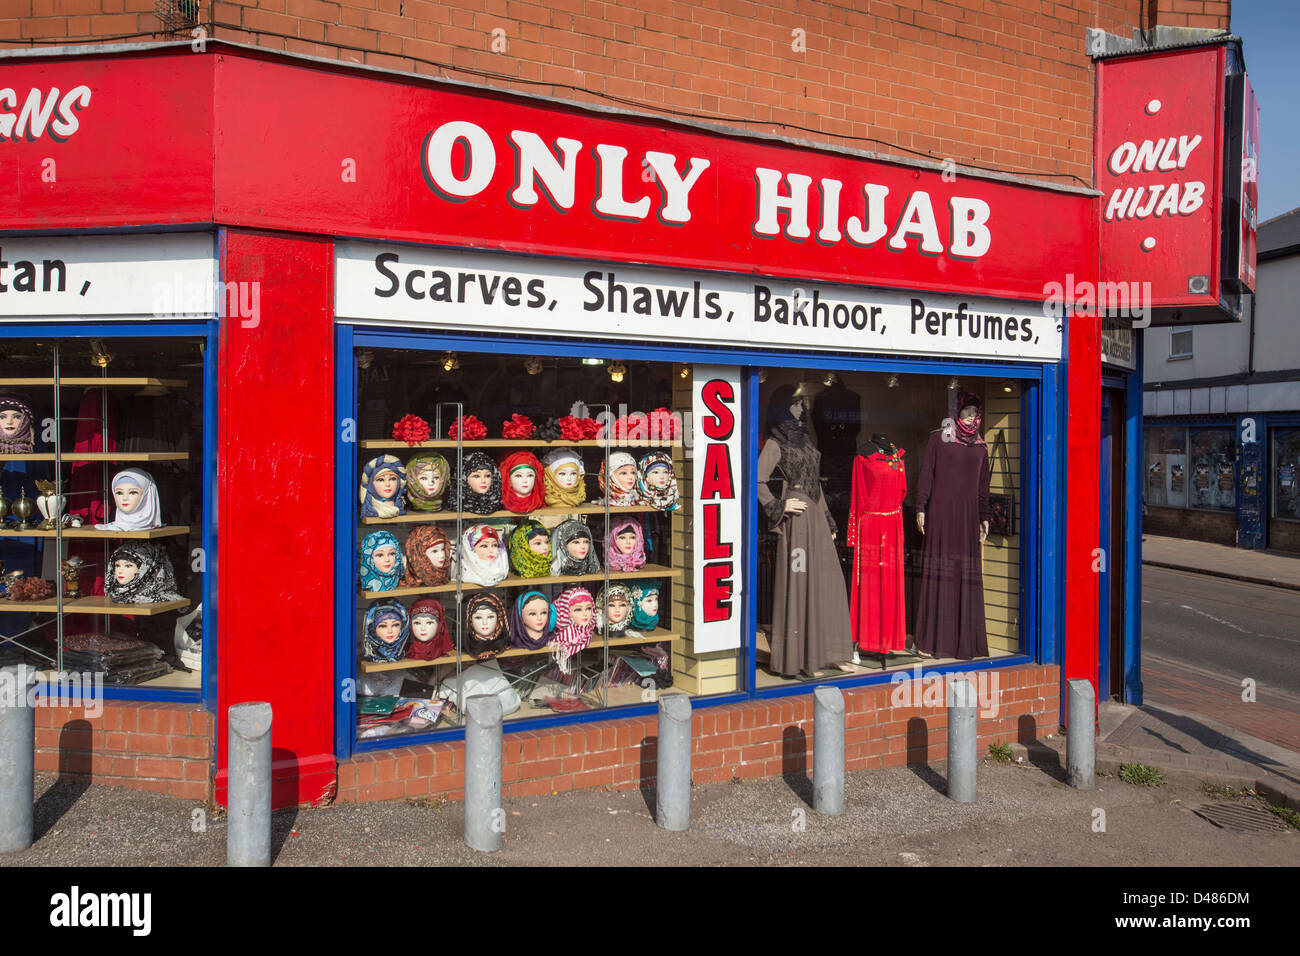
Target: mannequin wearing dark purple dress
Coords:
[[952, 503]]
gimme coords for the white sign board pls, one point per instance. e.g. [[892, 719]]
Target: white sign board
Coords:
[[716, 499], [490, 292], [145, 276]]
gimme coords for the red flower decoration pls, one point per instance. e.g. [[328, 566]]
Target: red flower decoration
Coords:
[[411, 429], [664, 425], [571, 428], [519, 426], [590, 428], [473, 429]]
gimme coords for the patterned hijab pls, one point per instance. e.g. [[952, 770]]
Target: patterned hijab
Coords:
[[640, 619], [478, 503], [22, 441], [519, 636], [561, 561], [372, 506], [527, 563], [372, 579], [147, 514], [492, 645], [510, 500], [420, 571], [440, 644], [968, 434], [570, 638], [616, 559], [662, 499], [617, 496], [154, 581], [558, 496], [473, 569], [613, 592], [416, 497], [375, 649]]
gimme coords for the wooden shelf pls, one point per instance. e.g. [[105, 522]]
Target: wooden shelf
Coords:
[[89, 381], [522, 443], [412, 517], [102, 456], [166, 531], [598, 643], [98, 604], [649, 571]]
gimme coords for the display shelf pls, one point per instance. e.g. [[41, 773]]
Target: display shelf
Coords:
[[99, 604], [649, 571], [380, 445], [598, 643], [102, 456], [110, 380], [166, 531], [413, 517]]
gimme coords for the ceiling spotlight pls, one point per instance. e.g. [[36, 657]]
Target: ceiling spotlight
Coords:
[[533, 366], [1008, 386], [450, 362], [762, 375], [98, 354], [829, 380], [685, 371], [953, 385], [892, 382], [617, 370], [365, 359], [593, 361]]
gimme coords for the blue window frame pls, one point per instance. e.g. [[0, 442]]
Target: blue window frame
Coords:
[[207, 331], [1040, 478]]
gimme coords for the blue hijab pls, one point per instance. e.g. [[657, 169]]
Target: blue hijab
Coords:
[[372, 579], [372, 506], [377, 650]]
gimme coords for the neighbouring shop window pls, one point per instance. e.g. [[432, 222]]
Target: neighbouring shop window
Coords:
[[101, 522], [1180, 344], [1166, 465], [545, 558], [889, 522], [1286, 474], [1212, 484]]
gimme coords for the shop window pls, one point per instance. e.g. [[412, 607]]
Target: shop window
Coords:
[[889, 522], [1166, 465], [1286, 474], [1212, 483], [101, 522], [525, 528], [1180, 344]]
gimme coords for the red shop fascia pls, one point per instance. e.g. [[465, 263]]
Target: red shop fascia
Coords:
[[277, 157]]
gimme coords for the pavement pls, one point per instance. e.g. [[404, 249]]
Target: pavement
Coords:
[[1239, 564]]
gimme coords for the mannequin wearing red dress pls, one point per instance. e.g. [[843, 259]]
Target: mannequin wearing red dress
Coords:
[[875, 532]]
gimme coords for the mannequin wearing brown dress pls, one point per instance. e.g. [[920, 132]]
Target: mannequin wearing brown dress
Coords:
[[810, 608]]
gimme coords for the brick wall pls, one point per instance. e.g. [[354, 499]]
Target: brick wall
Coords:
[[166, 748], [1284, 535], [738, 741], [1003, 83], [1218, 527], [1198, 14]]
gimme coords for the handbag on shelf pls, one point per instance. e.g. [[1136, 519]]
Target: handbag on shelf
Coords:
[[1002, 505]]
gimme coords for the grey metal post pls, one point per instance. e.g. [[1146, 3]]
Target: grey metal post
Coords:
[[1080, 734], [673, 776], [828, 751], [17, 759], [484, 819], [962, 735], [248, 818]]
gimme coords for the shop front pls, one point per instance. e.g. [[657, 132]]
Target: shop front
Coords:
[[505, 395]]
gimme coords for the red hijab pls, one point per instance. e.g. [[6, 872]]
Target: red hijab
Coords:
[[512, 501]]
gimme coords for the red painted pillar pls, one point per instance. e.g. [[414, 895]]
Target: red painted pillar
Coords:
[[1083, 498], [275, 527]]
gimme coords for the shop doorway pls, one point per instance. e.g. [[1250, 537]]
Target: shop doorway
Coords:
[[1110, 676]]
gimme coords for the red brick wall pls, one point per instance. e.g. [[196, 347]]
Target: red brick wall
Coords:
[[166, 748], [740, 741], [1200, 14], [1001, 83], [1218, 527]]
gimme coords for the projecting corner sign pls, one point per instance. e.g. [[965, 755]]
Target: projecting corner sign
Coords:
[[147, 276]]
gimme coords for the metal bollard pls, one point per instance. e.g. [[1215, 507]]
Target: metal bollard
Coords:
[[962, 735], [17, 758], [484, 819], [828, 751], [248, 829], [673, 777], [1080, 734]]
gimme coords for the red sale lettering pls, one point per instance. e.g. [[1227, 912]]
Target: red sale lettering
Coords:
[[714, 548], [717, 481], [717, 592], [717, 395]]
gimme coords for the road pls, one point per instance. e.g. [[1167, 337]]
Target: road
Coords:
[[1202, 636]]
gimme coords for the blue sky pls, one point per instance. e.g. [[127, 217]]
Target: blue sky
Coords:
[[1270, 33]]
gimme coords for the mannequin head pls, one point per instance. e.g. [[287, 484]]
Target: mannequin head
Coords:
[[625, 541], [125, 570], [128, 493], [484, 622], [617, 609], [487, 548], [424, 627], [11, 422], [659, 475], [523, 479], [578, 547], [437, 554], [539, 542], [581, 611], [388, 630], [567, 476], [536, 614], [386, 482], [430, 479], [649, 604], [385, 558]]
